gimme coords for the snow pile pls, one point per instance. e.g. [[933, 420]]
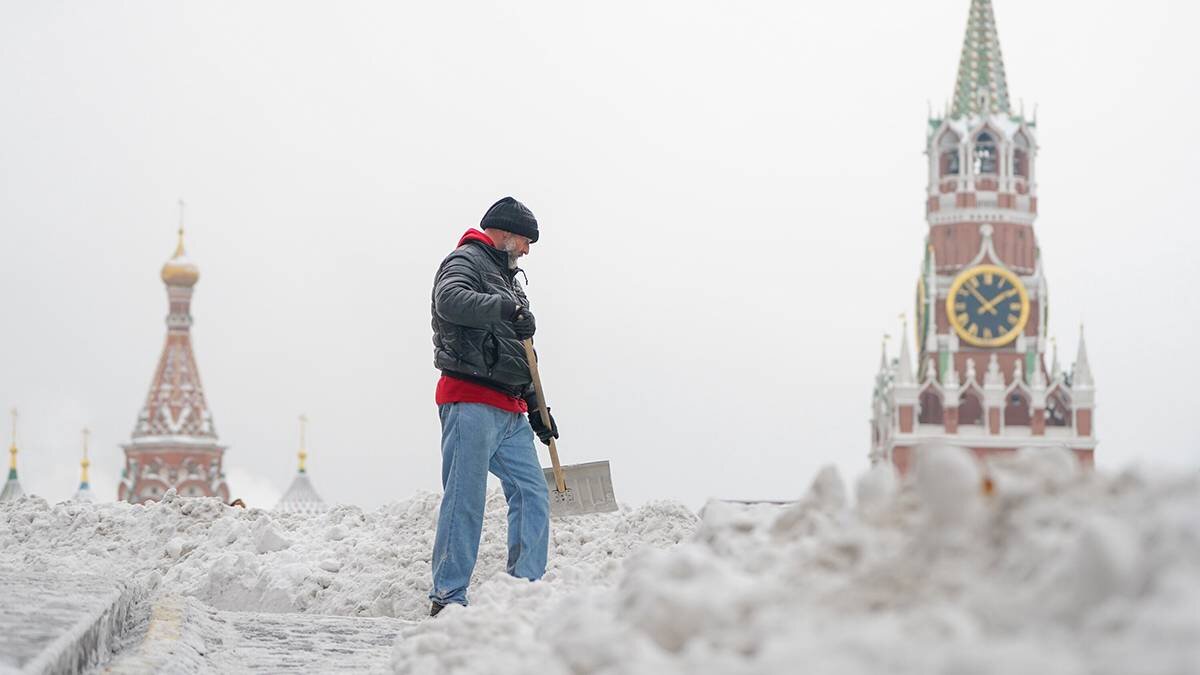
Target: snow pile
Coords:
[[1055, 571], [1050, 569], [343, 562]]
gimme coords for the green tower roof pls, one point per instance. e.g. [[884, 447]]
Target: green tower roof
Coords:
[[981, 88]]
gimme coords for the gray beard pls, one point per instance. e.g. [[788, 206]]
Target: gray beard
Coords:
[[512, 254]]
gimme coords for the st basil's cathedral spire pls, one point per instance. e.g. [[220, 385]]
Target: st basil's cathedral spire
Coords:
[[174, 443]]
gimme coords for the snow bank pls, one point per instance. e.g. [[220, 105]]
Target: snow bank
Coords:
[[343, 562], [1057, 571]]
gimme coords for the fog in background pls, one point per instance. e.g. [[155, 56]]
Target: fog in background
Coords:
[[730, 198]]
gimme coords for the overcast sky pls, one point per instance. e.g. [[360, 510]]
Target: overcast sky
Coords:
[[730, 198]]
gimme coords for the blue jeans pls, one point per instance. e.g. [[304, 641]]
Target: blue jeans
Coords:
[[478, 438]]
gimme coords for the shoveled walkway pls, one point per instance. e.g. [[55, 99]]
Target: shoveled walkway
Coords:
[[183, 635]]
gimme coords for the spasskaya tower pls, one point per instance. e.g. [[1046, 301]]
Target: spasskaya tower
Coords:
[[980, 378]]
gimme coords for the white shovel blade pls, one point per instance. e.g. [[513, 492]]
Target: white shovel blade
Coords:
[[589, 489]]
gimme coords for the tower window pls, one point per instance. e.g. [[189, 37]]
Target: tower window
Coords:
[[949, 163], [985, 154], [1021, 156], [948, 155], [970, 408], [1016, 410], [931, 408]]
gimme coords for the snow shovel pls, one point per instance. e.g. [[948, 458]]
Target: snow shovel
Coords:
[[577, 488]]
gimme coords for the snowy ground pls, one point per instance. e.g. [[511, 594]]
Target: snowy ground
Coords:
[[1056, 571]]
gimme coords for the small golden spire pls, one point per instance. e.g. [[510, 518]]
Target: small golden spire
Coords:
[[85, 463], [303, 453], [12, 450], [179, 248]]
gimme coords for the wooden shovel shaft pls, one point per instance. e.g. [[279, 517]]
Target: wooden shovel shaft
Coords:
[[544, 409]]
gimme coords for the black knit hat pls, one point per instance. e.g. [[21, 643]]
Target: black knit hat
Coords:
[[511, 215]]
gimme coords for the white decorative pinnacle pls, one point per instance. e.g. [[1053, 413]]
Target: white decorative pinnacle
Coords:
[[1082, 374], [972, 377], [1018, 371], [1055, 368], [904, 370], [993, 377], [950, 377], [1039, 378]]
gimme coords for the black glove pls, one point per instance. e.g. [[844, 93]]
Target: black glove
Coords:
[[524, 324], [535, 421]]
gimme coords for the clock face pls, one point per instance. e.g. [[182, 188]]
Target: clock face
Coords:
[[988, 306]]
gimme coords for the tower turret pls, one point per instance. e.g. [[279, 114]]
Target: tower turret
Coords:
[[84, 493], [12, 486]]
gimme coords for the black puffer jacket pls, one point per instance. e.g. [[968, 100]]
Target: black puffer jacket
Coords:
[[471, 338]]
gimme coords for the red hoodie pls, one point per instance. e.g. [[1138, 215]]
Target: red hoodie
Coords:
[[453, 390]]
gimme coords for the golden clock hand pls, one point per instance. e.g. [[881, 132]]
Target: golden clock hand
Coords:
[[983, 303], [991, 305]]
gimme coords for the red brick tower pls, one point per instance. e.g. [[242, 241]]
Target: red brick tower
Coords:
[[980, 379], [174, 444]]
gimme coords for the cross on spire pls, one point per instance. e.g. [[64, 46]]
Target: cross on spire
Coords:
[[179, 247], [303, 451]]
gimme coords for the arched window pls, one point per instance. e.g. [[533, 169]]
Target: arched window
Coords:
[[931, 408], [1058, 411], [1016, 409], [985, 154], [948, 154], [1021, 156], [970, 408]]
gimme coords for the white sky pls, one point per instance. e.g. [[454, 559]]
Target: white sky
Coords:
[[730, 197]]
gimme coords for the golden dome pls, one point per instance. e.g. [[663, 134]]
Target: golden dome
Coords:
[[179, 271]]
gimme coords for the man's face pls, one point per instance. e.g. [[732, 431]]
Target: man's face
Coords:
[[515, 246]]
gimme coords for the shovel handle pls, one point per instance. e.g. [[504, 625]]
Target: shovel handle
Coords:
[[544, 409]]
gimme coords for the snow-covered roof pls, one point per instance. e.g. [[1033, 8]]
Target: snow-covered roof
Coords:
[[84, 494], [301, 497], [12, 488]]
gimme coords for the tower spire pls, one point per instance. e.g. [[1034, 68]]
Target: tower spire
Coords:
[[981, 88], [84, 494], [12, 486], [1081, 376], [904, 370], [179, 248], [174, 442], [303, 452]]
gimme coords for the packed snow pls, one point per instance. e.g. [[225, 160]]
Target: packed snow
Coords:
[[1042, 568]]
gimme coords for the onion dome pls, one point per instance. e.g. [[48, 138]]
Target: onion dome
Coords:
[[179, 270]]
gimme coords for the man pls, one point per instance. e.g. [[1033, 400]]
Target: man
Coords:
[[480, 317]]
